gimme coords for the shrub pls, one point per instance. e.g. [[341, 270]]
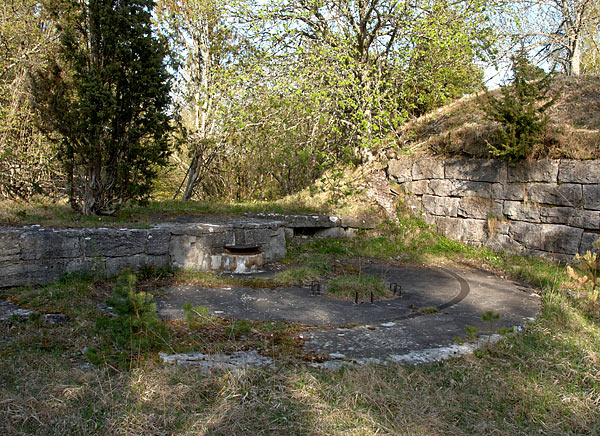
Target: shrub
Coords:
[[520, 112]]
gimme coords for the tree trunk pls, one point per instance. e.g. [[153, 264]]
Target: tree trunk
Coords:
[[575, 60]]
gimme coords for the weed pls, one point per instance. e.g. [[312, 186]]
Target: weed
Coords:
[[490, 316], [239, 327], [197, 316], [589, 264], [429, 310], [471, 332]]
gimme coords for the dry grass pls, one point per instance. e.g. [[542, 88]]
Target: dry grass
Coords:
[[461, 128], [545, 381]]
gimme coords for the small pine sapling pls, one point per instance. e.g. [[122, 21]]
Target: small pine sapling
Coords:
[[489, 317], [135, 328]]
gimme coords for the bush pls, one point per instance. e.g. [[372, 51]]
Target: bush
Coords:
[[520, 111]]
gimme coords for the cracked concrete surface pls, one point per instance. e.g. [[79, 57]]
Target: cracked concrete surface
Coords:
[[391, 330]]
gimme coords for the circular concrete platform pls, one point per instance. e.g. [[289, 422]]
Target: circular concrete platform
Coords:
[[401, 329]]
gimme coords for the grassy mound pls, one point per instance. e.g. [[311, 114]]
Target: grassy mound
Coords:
[[461, 128]]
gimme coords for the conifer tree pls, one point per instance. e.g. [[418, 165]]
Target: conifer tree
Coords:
[[521, 111], [105, 97]]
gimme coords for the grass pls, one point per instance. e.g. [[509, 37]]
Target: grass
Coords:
[[545, 380], [351, 287], [460, 128], [59, 214]]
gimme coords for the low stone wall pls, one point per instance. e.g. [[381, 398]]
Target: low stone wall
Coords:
[[549, 207], [32, 255]]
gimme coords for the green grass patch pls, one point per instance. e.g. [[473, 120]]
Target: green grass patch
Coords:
[[347, 287]]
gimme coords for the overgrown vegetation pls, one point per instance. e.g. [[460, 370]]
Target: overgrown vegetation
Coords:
[[543, 380], [463, 129]]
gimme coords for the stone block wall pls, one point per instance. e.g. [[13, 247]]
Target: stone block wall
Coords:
[[33, 255], [549, 207]]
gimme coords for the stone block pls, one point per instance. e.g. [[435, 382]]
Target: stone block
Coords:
[[579, 171], [10, 247], [188, 251], [50, 244], [275, 247], [591, 197], [32, 272], [441, 188], [479, 170], [297, 221], [557, 215], [262, 236], [198, 229], [474, 231], [465, 188], [113, 243], [113, 265], [519, 211], [358, 222], [495, 226], [443, 206], [157, 242], [478, 207], [417, 188], [545, 170], [515, 192], [465, 230], [413, 204], [587, 242], [428, 168], [550, 238], [430, 219], [584, 219], [400, 170], [555, 194], [452, 228], [498, 242], [332, 232]]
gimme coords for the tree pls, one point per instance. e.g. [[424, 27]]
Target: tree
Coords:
[[559, 30], [27, 160], [521, 110], [200, 40], [104, 98], [360, 58]]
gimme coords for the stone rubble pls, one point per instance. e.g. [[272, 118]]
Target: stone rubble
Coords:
[[221, 362]]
